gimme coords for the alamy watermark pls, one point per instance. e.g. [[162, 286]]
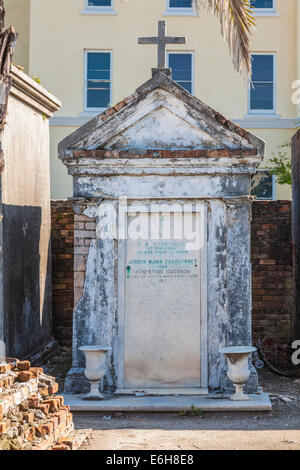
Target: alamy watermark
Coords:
[[154, 221], [296, 94], [296, 354]]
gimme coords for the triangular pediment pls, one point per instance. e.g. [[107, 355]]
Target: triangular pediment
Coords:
[[161, 128], [160, 115]]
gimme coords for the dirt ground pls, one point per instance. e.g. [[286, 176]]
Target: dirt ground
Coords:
[[275, 430]]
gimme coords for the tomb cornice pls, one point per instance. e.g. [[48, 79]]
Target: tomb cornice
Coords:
[[75, 171], [162, 163], [32, 93]]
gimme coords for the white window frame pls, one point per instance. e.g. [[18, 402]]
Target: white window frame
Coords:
[[265, 12], [85, 88], [98, 10], [264, 111], [193, 64], [188, 11]]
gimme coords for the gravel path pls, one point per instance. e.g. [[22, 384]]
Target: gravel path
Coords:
[[277, 430]]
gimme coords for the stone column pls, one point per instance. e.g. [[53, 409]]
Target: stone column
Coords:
[[239, 295], [216, 291], [94, 320]]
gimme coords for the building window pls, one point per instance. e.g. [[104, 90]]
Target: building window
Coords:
[[180, 3], [262, 88], [99, 3], [98, 7], [181, 8], [264, 7], [181, 65], [263, 185], [263, 4], [98, 80]]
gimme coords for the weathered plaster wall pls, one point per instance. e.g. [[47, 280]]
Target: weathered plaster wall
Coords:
[[26, 217], [271, 252], [26, 230]]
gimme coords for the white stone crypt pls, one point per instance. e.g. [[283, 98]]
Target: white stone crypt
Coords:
[[165, 307]]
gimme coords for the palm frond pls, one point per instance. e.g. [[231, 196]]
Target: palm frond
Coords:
[[237, 26]]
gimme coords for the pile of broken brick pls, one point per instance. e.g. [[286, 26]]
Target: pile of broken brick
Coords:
[[32, 416]]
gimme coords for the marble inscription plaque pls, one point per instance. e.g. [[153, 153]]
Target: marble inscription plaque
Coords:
[[162, 309]]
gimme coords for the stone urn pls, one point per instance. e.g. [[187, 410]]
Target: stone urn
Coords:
[[238, 368], [95, 357]]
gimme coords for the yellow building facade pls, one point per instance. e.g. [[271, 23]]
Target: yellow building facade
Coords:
[[59, 41]]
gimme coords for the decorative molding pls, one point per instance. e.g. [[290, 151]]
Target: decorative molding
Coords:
[[98, 11], [70, 121], [266, 14], [266, 122], [180, 12], [262, 115], [247, 122], [32, 93]]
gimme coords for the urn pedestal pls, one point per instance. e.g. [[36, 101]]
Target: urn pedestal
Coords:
[[238, 368], [95, 368]]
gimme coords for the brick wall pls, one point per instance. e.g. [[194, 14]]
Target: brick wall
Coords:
[[32, 416], [272, 287], [85, 231], [271, 265], [62, 240]]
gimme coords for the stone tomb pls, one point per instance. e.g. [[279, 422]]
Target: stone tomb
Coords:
[[163, 297]]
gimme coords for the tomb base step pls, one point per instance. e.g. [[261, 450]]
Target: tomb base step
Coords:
[[130, 403], [162, 391]]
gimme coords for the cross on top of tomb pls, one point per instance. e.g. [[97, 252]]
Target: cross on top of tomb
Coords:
[[162, 40]]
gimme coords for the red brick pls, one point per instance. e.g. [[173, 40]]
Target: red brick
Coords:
[[66, 407], [66, 441], [44, 392], [36, 371], [272, 282], [110, 112], [54, 404], [119, 105], [25, 376], [62, 416], [53, 389], [60, 447], [61, 399], [29, 434], [48, 428], [45, 444], [23, 365], [29, 417], [33, 402], [44, 407], [4, 426]]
